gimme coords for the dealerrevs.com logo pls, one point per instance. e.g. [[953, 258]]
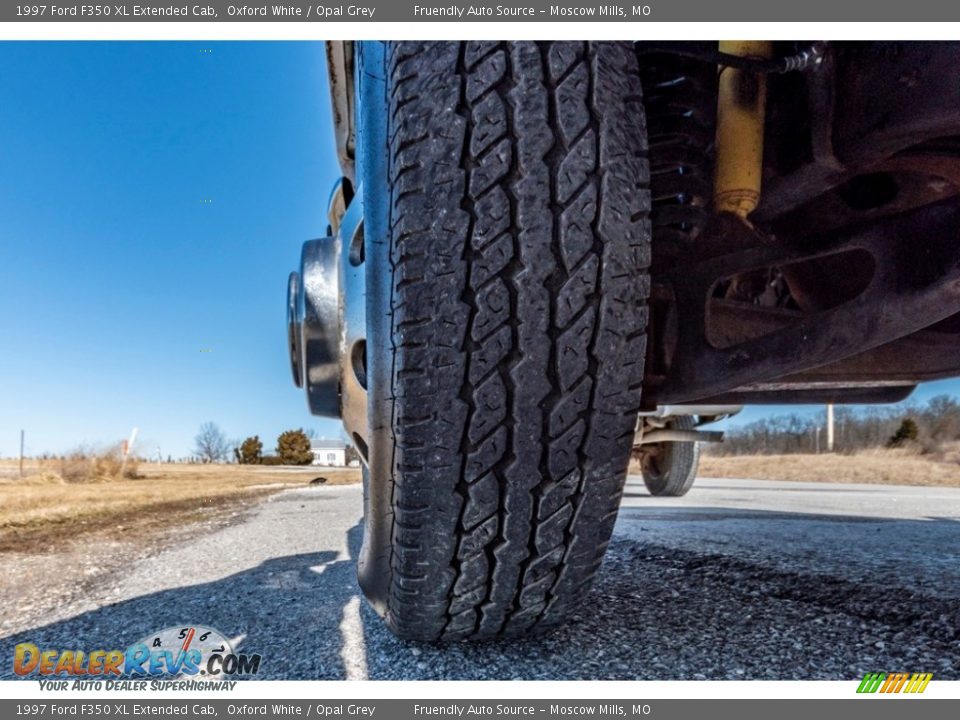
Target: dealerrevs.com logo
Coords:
[[186, 651]]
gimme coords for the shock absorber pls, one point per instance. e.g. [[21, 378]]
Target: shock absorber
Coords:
[[741, 110]]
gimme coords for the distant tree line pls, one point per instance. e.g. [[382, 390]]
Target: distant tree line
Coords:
[[924, 427]]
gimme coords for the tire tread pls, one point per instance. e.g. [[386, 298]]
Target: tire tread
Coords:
[[520, 250]]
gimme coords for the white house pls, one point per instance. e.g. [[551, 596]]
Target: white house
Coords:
[[329, 452]]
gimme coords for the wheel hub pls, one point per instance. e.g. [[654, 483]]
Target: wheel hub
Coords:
[[313, 321], [326, 320]]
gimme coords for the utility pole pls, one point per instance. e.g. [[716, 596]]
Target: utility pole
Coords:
[[21, 454], [829, 427]]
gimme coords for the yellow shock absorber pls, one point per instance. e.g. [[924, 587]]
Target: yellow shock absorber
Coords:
[[741, 109]]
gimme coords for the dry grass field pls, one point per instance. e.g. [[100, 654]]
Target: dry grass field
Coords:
[[882, 467], [43, 511]]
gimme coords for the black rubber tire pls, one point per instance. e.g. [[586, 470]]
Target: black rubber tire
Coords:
[[519, 249], [678, 466]]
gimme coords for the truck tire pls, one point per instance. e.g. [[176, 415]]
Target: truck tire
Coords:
[[517, 251], [671, 472]]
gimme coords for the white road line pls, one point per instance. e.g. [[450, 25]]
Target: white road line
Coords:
[[352, 651]]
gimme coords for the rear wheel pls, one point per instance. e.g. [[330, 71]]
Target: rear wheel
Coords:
[[670, 468], [517, 247]]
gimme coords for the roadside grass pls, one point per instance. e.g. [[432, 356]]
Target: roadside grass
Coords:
[[879, 467], [43, 511]]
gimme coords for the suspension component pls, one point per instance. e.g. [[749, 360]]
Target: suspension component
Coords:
[[807, 58], [680, 104], [741, 109], [680, 101]]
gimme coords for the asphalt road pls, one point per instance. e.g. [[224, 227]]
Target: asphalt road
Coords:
[[738, 580]]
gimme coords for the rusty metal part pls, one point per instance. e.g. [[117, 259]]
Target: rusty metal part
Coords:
[[340, 70], [861, 150], [785, 191], [904, 294], [907, 95], [876, 192], [651, 457], [928, 354], [898, 98]]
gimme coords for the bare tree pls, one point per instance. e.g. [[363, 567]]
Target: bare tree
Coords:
[[211, 444]]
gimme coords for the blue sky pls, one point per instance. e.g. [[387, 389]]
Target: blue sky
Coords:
[[114, 272], [153, 198]]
